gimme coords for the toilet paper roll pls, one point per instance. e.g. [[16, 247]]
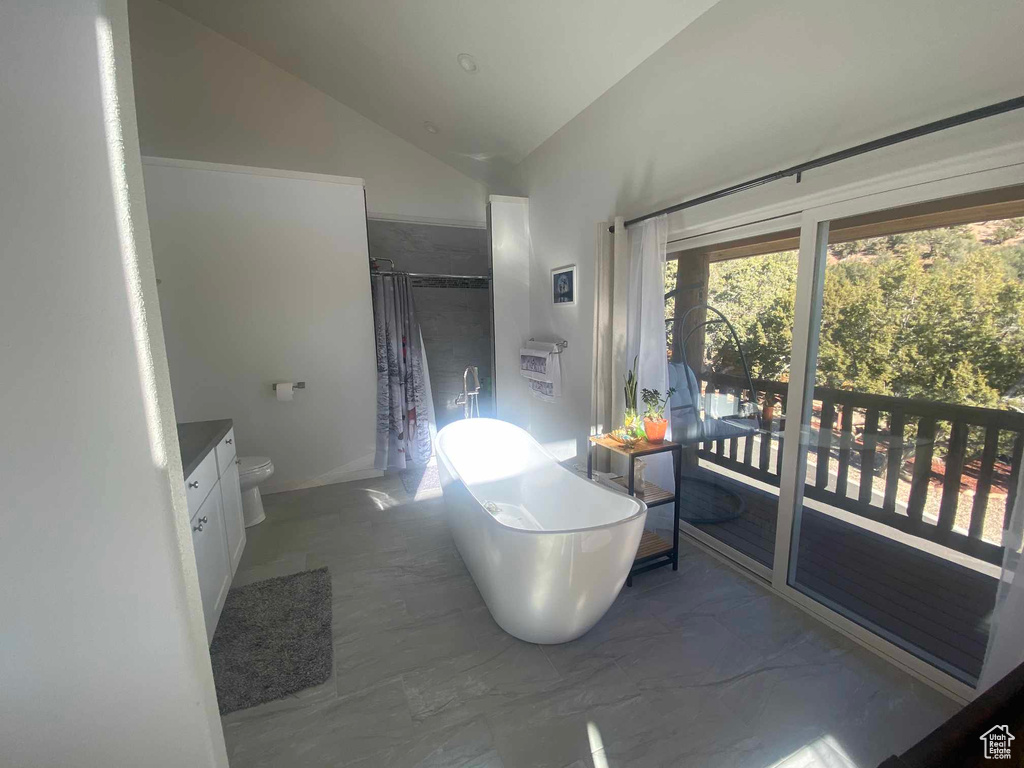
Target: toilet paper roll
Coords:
[[284, 391]]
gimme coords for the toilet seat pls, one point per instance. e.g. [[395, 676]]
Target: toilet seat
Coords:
[[248, 465]]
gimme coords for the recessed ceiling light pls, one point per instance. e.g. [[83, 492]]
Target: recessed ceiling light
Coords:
[[467, 62], [430, 127]]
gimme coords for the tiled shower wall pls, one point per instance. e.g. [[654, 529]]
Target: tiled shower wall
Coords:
[[456, 319]]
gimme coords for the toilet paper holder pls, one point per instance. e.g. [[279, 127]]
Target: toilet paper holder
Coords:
[[296, 385]]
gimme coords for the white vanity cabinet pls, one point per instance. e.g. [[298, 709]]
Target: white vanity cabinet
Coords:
[[218, 528]]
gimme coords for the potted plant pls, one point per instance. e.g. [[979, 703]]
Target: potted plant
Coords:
[[630, 418], [655, 423], [631, 432]]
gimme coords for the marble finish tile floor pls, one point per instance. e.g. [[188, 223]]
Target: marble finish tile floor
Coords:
[[702, 667]]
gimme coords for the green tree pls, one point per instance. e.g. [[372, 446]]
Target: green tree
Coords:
[[757, 295], [934, 314]]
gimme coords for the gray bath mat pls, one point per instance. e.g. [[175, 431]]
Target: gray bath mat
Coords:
[[273, 639], [420, 479]]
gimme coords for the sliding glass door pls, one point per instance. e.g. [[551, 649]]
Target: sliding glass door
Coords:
[[850, 396], [908, 394]]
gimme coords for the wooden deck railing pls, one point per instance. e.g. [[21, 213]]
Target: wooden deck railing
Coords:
[[886, 422]]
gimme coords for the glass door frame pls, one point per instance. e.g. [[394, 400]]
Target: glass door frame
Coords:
[[884, 194]]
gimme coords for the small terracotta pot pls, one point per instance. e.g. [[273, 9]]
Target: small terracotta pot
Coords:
[[655, 430]]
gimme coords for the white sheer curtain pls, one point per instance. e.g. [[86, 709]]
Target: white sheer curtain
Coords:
[[1006, 641], [645, 324]]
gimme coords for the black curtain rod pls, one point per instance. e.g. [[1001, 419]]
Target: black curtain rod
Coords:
[[835, 157]]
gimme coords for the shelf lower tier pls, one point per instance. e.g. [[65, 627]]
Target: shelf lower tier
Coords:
[[650, 494], [652, 545]]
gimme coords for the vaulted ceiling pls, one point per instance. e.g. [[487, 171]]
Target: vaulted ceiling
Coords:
[[538, 63]]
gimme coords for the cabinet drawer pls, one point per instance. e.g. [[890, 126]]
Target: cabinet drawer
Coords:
[[226, 452], [199, 484]]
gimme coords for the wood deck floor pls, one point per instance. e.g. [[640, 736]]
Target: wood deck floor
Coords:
[[936, 608]]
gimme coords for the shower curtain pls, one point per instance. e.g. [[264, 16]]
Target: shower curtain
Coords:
[[404, 409]]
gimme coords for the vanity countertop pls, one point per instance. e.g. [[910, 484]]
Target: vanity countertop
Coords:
[[197, 438]]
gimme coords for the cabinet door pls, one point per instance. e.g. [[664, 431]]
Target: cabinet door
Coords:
[[234, 523], [211, 559]]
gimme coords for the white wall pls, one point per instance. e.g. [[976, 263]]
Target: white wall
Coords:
[[266, 278], [746, 89], [510, 262], [104, 658], [202, 97]]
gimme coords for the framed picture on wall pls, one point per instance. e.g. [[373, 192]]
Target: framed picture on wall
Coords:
[[563, 285]]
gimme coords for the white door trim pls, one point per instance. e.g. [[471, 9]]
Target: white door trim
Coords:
[[807, 318]]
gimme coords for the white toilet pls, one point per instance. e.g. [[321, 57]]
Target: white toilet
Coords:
[[253, 470]]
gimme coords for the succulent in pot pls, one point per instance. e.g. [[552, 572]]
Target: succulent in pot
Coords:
[[655, 423]]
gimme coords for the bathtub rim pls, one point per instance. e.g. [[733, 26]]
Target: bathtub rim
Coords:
[[603, 526]]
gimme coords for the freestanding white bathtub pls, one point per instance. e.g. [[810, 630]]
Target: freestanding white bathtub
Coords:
[[548, 550]]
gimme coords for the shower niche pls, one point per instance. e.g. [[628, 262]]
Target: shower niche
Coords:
[[450, 276]]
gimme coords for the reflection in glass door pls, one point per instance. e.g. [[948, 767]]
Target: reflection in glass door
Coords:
[[729, 314], [912, 437]]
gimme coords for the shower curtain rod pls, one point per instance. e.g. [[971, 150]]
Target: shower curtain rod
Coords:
[[428, 274], [393, 271], [797, 170]]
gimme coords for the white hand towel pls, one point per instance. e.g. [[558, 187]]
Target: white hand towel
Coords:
[[535, 361], [541, 364]]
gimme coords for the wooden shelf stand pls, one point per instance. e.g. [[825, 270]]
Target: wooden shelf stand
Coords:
[[654, 551]]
